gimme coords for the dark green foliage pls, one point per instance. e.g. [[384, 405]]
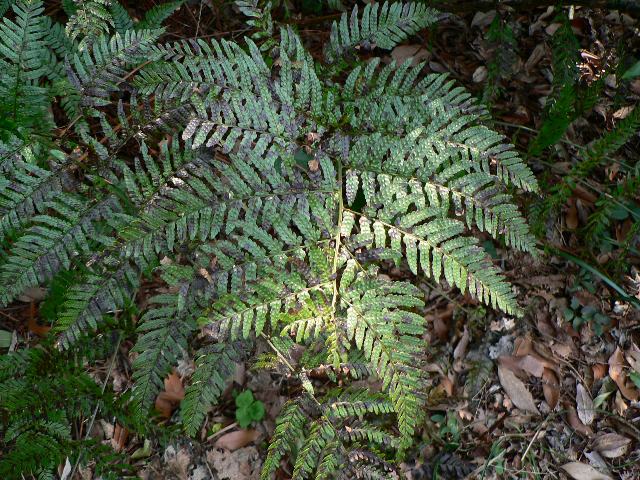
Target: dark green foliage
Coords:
[[42, 392], [266, 215], [562, 100]]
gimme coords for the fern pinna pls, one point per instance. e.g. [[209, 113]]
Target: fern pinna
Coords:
[[269, 198]]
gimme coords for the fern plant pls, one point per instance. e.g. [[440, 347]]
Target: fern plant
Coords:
[[269, 197]]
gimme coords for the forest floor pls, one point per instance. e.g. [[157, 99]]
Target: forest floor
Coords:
[[552, 395]]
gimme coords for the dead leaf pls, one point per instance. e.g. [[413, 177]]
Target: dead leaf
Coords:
[[120, 436], [633, 357], [238, 439], [620, 405], [461, 348], [35, 327], [550, 388], [618, 375], [571, 216], [532, 364], [416, 52], [314, 165], [622, 112], [584, 404], [517, 390], [576, 423], [599, 371], [582, 471], [480, 74], [447, 384], [538, 54], [168, 401], [611, 445]]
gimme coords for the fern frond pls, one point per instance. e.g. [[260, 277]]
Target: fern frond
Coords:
[[23, 62], [215, 364], [380, 26], [98, 74], [90, 20], [28, 189], [289, 431], [157, 14], [122, 21], [164, 329], [52, 242]]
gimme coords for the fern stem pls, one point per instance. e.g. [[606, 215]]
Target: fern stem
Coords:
[[336, 254]]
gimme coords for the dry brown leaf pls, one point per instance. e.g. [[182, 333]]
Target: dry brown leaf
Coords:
[[599, 371], [550, 388], [576, 423], [582, 471], [633, 357], [480, 74], [611, 445], [517, 390], [522, 346], [532, 364], [618, 375], [584, 404], [620, 405], [35, 327], [571, 215], [461, 348], [238, 439], [119, 438], [168, 401], [447, 384], [417, 53]]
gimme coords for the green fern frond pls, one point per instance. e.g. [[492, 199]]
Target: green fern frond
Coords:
[[380, 26], [215, 364], [289, 431], [157, 14], [122, 21], [164, 329], [52, 242], [27, 191], [99, 73], [90, 20], [23, 62]]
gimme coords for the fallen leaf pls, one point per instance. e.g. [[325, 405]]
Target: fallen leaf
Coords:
[[66, 471], [480, 74], [599, 371], [618, 375], [238, 439], [142, 452], [571, 216], [120, 436], [532, 364], [620, 405], [582, 471], [35, 327], [517, 390], [168, 400], [611, 445], [633, 357], [584, 404], [576, 423], [447, 384], [404, 52], [461, 348], [550, 388]]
